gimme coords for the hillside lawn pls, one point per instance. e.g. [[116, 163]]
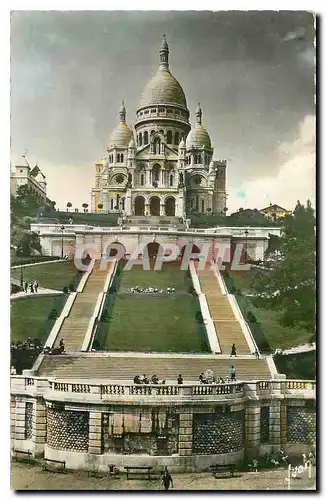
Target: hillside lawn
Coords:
[[154, 325], [54, 275], [29, 317], [169, 276], [278, 336]]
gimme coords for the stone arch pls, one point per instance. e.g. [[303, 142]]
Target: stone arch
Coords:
[[194, 249], [156, 171], [113, 251], [139, 205], [154, 205], [170, 206]]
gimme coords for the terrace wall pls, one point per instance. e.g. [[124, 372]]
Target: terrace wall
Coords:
[[186, 428]]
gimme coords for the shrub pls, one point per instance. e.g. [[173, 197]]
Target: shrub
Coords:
[[53, 314], [65, 289], [71, 287], [199, 317], [251, 318]]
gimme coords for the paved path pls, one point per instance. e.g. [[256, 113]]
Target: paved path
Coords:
[[41, 291], [299, 348]]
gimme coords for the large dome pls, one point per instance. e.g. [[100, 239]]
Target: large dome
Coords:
[[163, 88], [198, 137]]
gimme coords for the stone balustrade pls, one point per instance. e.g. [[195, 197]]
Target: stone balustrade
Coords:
[[72, 390]]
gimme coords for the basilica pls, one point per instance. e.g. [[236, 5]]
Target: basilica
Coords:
[[164, 166]]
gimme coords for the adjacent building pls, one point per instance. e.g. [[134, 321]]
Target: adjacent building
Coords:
[[163, 166], [33, 178], [274, 212]]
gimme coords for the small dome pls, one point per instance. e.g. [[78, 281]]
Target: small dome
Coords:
[[120, 136], [163, 88], [132, 144], [198, 137], [182, 144]]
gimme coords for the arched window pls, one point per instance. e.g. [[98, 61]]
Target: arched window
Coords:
[[121, 158], [142, 179], [122, 203], [202, 205], [140, 140], [162, 132], [118, 158], [156, 173], [111, 203], [197, 202], [171, 180], [176, 139], [146, 137], [169, 137]]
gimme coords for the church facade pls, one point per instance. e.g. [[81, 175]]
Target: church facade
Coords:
[[163, 167]]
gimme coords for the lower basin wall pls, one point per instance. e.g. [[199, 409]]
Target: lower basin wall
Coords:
[[192, 463]]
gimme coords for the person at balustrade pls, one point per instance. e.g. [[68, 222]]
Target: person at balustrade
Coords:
[[155, 379], [232, 373], [233, 350], [13, 371], [180, 379], [137, 379], [201, 378], [209, 374], [145, 379]]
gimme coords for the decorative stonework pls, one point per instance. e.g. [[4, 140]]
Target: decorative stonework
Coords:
[[215, 433], [67, 430], [140, 431], [301, 425], [29, 421], [264, 424]]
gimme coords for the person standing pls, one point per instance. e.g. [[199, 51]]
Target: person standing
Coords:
[[180, 379], [13, 371], [167, 479], [232, 373], [25, 286], [36, 285], [233, 350], [31, 287]]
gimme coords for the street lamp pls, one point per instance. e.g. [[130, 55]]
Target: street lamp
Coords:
[[62, 229], [21, 276], [246, 245]]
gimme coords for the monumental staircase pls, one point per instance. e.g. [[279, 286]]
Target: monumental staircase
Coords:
[[75, 325], [124, 367], [228, 328]]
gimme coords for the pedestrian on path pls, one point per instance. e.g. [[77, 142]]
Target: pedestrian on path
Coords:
[[232, 374], [167, 479], [36, 285], [233, 350], [31, 287], [25, 286]]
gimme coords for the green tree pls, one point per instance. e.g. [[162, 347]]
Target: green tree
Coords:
[[290, 286]]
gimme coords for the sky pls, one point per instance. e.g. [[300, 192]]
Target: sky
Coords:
[[253, 73]]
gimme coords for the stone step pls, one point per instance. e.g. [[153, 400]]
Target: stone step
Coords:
[[125, 368]]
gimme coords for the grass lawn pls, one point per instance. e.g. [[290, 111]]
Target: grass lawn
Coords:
[[157, 325], [54, 275], [170, 276], [29, 317], [277, 336]]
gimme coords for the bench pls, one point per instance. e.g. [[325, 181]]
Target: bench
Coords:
[[139, 469], [22, 455], [223, 467], [53, 465]]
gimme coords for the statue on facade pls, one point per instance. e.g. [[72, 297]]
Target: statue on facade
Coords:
[[129, 182], [181, 184]]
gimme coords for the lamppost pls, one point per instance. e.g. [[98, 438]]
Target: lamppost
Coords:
[[246, 245], [21, 276], [62, 229]]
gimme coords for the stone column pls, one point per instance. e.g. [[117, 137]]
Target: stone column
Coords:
[[105, 202], [275, 422], [162, 178], [93, 205], [20, 420], [147, 178], [185, 434], [39, 426], [95, 432], [147, 209], [128, 208], [252, 429]]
